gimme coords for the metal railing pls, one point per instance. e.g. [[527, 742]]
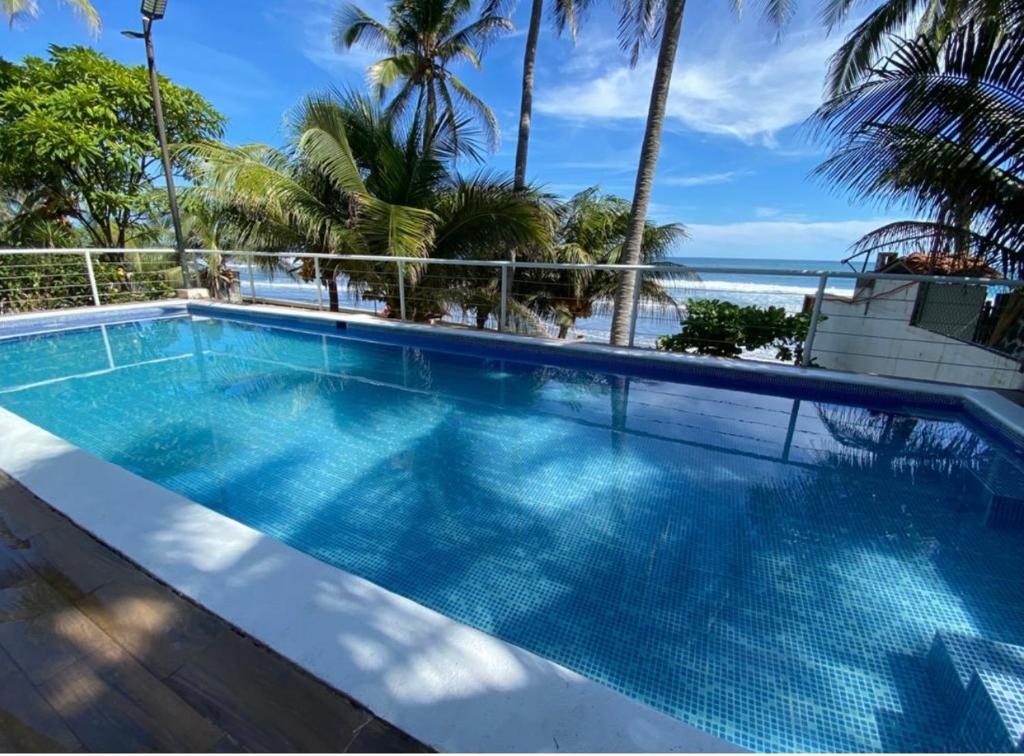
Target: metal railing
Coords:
[[935, 327]]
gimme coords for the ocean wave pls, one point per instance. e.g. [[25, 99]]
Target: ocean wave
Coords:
[[706, 288]]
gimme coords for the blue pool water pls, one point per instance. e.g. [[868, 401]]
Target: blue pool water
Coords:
[[767, 568]]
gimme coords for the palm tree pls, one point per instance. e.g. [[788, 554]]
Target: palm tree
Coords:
[[591, 230], [16, 10], [940, 129], [567, 13], [640, 23], [633, 245], [422, 41], [352, 182]]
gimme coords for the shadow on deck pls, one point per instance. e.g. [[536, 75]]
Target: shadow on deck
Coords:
[[96, 655]]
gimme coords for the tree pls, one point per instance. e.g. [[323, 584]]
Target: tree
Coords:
[[19, 9], [591, 230], [566, 14], [633, 245], [939, 130], [352, 182], [640, 23], [77, 136], [422, 41]]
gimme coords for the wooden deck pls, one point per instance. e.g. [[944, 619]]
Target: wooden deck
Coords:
[[95, 655]]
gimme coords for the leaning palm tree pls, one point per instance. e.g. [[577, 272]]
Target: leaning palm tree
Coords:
[[422, 42], [641, 23], [940, 130], [17, 10], [567, 14]]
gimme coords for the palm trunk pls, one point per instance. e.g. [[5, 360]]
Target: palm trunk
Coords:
[[526, 105], [332, 292], [622, 316], [430, 119]]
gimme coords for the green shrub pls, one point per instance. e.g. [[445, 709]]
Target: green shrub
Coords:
[[723, 329]]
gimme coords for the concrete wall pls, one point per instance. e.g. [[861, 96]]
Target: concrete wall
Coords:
[[872, 334]]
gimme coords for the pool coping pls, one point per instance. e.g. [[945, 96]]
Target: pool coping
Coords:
[[449, 685]]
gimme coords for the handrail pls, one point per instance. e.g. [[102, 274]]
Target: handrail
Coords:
[[498, 264]]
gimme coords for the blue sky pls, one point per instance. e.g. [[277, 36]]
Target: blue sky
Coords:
[[735, 163]]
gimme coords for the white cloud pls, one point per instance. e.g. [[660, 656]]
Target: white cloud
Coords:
[[704, 179], [730, 82]]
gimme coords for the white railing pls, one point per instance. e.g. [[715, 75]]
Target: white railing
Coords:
[[937, 327]]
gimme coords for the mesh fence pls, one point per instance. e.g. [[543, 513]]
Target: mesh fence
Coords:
[[60, 280]]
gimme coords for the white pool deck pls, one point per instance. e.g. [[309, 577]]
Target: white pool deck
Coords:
[[452, 687]]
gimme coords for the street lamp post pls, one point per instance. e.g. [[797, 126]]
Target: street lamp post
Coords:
[[153, 10]]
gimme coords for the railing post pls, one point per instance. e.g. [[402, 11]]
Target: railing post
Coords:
[[503, 310], [319, 284], [401, 288], [92, 279], [635, 314], [252, 281], [812, 329]]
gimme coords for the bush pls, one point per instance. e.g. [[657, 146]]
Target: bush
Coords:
[[51, 282], [724, 329]]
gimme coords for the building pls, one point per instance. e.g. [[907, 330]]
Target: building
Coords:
[[957, 333]]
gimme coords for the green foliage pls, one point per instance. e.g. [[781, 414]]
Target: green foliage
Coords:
[[423, 40], [723, 329], [353, 182], [18, 10], [591, 230], [939, 129], [77, 137], [57, 281]]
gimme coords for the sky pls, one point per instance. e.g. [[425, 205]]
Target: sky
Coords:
[[736, 157]]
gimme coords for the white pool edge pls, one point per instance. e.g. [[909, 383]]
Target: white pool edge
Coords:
[[450, 686]]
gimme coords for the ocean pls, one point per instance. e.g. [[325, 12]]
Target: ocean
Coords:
[[778, 290]]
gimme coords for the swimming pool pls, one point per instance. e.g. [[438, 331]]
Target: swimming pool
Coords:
[[768, 567]]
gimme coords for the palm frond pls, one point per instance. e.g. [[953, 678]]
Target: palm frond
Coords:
[[568, 14], [939, 129], [354, 26], [483, 114], [863, 46], [639, 25]]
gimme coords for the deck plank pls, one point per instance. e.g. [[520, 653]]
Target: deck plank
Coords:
[[97, 655]]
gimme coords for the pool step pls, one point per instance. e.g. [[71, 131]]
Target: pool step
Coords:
[[983, 684], [996, 493]]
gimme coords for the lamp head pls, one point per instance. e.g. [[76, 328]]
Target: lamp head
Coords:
[[154, 9]]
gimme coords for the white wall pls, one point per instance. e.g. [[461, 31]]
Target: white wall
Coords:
[[874, 335]]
